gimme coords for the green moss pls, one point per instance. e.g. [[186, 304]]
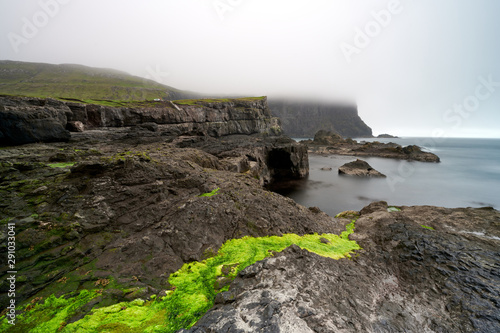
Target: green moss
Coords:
[[210, 194], [393, 209], [194, 288], [61, 165], [141, 155], [49, 316], [426, 227]]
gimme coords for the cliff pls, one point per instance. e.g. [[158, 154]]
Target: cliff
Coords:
[[302, 119], [27, 120], [252, 141]]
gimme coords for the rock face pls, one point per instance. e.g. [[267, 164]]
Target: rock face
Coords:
[[331, 143], [359, 168], [407, 278], [27, 120], [302, 119], [268, 159], [32, 120]]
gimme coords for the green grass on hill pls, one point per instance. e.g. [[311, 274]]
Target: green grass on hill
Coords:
[[80, 82]]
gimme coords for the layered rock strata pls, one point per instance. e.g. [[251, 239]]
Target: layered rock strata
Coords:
[[29, 120]]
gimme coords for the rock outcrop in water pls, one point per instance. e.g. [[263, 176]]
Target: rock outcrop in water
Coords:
[[422, 269], [359, 168], [331, 143]]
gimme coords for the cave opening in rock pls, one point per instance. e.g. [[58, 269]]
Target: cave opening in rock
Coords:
[[281, 164]]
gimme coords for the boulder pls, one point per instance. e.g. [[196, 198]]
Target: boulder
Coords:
[[75, 126], [32, 124], [359, 168], [323, 137]]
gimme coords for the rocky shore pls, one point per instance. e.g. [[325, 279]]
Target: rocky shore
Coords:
[[333, 144], [114, 211], [422, 269]]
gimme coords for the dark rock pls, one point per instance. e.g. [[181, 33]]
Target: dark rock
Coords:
[[153, 127], [269, 159], [60, 157], [323, 137], [29, 121], [225, 298], [386, 136], [315, 210], [302, 119], [374, 207], [359, 168], [331, 143], [133, 209], [406, 279]]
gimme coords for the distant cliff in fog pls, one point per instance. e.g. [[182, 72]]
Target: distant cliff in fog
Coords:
[[305, 118]]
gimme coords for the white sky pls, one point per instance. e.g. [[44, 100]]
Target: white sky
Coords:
[[416, 65]]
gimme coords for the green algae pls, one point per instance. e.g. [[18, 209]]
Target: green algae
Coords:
[[194, 288], [393, 209], [61, 165], [210, 194], [427, 227]]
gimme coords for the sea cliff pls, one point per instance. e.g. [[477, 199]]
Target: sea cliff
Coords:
[[302, 119]]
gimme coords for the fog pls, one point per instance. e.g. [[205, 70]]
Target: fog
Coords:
[[414, 68]]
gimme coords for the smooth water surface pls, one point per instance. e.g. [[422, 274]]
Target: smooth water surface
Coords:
[[467, 176]]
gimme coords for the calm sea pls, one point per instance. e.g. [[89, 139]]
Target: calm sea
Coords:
[[467, 176]]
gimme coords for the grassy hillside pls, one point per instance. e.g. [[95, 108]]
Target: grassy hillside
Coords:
[[79, 82]]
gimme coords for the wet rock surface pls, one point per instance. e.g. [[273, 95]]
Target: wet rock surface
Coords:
[[126, 213], [331, 143], [407, 278], [359, 168]]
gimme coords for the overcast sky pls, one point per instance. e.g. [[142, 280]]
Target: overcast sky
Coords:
[[415, 68]]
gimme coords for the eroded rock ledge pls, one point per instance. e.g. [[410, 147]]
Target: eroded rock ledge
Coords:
[[28, 120], [241, 132], [422, 269]]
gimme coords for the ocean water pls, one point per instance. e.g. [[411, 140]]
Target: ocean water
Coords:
[[467, 176]]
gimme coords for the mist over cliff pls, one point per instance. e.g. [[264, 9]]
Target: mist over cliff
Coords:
[[304, 118]]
